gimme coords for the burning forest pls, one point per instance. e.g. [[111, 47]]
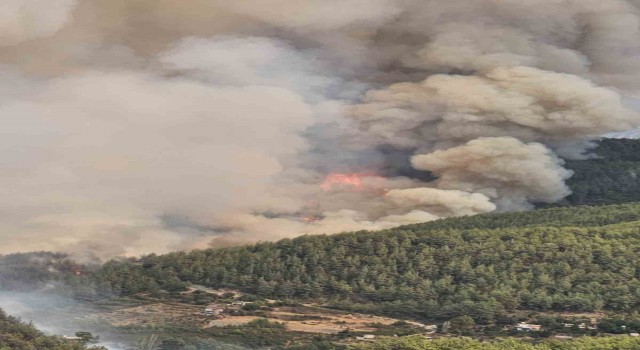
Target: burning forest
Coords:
[[181, 124]]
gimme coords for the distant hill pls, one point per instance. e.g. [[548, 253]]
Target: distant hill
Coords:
[[564, 259], [612, 177], [36, 270]]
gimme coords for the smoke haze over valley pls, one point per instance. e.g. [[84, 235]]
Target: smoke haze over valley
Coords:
[[130, 127]]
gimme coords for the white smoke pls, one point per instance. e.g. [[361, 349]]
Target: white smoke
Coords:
[[441, 202], [524, 102], [123, 148], [22, 20], [175, 124], [511, 172]]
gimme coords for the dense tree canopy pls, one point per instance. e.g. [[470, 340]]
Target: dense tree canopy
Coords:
[[420, 343], [571, 259]]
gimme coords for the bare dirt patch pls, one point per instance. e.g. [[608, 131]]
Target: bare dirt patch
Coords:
[[312, 320], [153, 314], [302, 318], [232, 321]]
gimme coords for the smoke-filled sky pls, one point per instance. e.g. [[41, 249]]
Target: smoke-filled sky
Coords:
[[137, 126]]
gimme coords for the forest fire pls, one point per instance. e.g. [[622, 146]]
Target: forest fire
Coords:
[[310, 219], [334, 180], [353, 181]]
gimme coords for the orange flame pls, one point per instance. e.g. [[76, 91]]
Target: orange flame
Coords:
[[337, 180], [352, 182], [310, 219]]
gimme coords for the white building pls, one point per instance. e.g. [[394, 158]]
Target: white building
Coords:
[[526, 327], [213, 311], [69, 337], [367, 337]]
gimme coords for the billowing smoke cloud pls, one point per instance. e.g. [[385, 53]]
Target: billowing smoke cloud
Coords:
[[442, 202], [511, 172], [122, 148], [172, 124], [523, 102], [22, 20]]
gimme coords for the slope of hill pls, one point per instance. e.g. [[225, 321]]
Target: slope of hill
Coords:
[[569, 259], [486, 266], [496, 268], [420, 343]]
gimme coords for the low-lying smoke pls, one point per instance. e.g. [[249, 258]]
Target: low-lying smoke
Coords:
[[143, 126], [46, 310]]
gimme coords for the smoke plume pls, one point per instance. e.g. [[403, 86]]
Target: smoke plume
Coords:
[[23, 20], [130, 127]]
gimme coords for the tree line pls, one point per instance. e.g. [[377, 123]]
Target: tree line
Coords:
[[420, 343], [562, 259]]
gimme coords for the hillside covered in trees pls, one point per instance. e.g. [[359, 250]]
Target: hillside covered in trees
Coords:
[[486, 266], [420, 343], [565, 259]]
